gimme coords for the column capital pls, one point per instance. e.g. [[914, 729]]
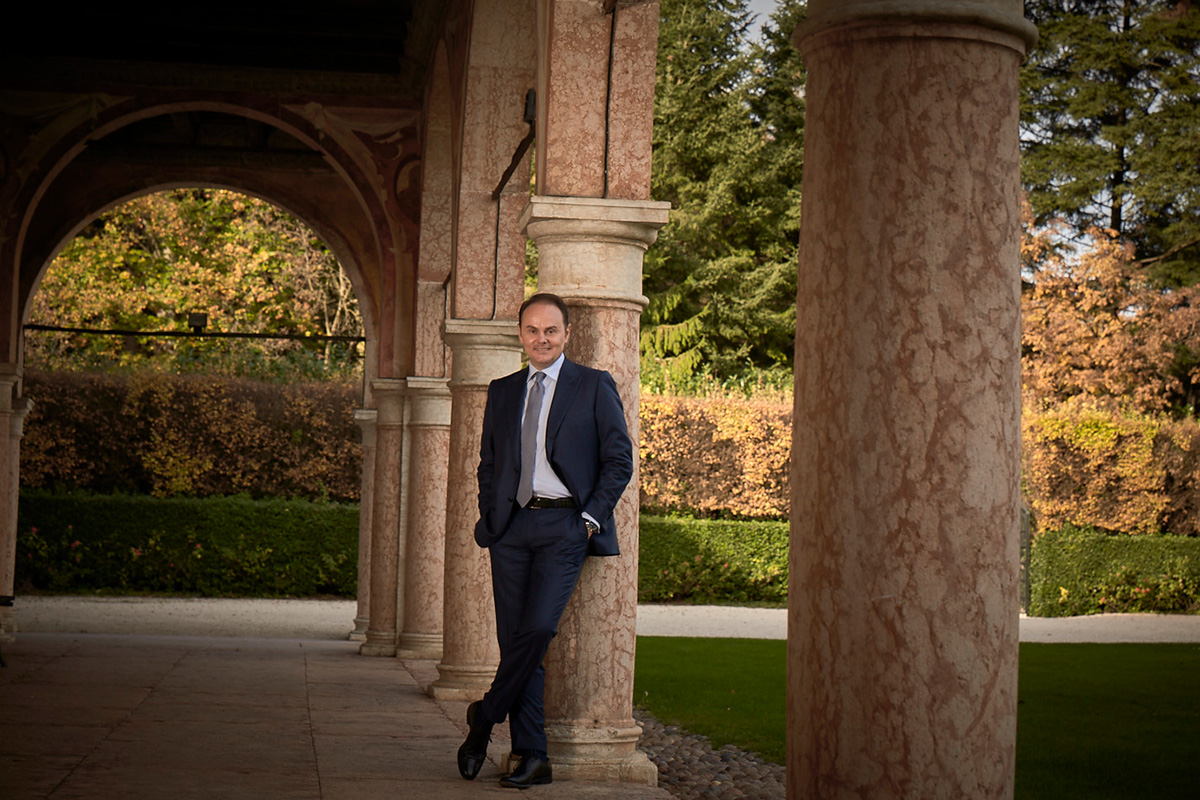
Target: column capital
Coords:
[[429, 402], [389, 397], [635, 220], [484, 349], [365, 418], [999, 16], [592, 248], [419, 385], [16, 419], [10, 376]]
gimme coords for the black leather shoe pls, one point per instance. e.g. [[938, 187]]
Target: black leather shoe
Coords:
[[532, 771], [473, 751]]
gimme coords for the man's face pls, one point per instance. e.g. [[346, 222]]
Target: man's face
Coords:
[[543, 334]]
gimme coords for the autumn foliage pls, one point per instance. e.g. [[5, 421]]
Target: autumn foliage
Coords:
[[150, 262], [169, 436], [715, 457], [1090, 465], [1095, 326], [1110, 373]]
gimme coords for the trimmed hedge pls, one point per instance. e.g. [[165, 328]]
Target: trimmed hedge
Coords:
[[191, 436], [229, 546], [1086, 571], [714, 457], [237, 546], [712, 561], [1087, 465]]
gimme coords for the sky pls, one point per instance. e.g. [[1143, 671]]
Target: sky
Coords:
[[762, 9]]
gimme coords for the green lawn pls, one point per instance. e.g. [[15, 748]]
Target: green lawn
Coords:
[[1094, 720], [730, 690]]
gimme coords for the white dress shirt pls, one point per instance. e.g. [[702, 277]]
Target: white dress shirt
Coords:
[[546, 482]]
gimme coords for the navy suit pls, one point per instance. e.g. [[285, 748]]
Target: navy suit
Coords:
[[536, 554]]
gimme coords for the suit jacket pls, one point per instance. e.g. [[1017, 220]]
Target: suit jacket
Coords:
[[587, 444]]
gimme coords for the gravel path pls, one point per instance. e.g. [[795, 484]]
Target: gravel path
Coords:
[[690, 769]]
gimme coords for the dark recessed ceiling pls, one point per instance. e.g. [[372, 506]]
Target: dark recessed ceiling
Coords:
[[356, 36]]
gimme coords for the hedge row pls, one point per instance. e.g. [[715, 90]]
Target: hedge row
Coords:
[[230, 546], [192, 436], [712, 561], [1090, 466], [237, 546], [1084, 571], [715, 458], [169, 435], [276, 548]]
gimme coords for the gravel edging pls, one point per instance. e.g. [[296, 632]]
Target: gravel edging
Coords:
[[690, 769]]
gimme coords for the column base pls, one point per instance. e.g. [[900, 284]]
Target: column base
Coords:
[[608, 755], [359, 634], [378, 644], [420, 646], [462, 682]]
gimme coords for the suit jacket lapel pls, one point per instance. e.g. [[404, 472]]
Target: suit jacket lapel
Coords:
[[514, 397], [564, 396]]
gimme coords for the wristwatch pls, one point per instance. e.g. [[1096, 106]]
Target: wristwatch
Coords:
[[592, 528]]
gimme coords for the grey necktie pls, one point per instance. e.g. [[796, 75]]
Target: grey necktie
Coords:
[[529, 428]]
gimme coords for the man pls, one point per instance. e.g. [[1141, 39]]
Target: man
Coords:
[[554, 460]]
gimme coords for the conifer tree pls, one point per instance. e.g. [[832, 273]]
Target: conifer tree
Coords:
[[722, 277], [1110, 112]]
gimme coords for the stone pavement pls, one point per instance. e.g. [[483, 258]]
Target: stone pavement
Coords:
[[136, 717], [170, 699]]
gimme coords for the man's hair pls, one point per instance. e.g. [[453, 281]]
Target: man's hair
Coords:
[[545, 298]]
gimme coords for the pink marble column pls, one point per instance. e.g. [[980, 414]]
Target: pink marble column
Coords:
[[903, 607], [590, 253], [12, 418], [483, 350], [425, 534], [595, 87], [387, 549], [365, 419]]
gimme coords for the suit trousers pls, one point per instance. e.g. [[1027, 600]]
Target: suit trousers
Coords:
[[535, 567]]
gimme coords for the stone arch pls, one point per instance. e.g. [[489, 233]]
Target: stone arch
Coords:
[[332, 235], [332, 187]]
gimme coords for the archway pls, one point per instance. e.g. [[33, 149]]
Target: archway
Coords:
[[154, 433]]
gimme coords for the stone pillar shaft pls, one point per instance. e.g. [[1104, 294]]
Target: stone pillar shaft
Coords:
[[903, 604], [595, 80], [482, 350], [590, 253], [387, 551], [425, 536], [12, 419], [365, 418]]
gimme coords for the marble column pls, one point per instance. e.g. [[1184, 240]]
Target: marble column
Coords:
[[12, 418], [428, 464], [903, 606], [590, 253], [365, 419], [387, 549], [482, 351]]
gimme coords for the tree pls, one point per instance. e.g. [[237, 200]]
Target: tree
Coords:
[[1094, 325], [722, 277], [1110, 125], [146, 264]]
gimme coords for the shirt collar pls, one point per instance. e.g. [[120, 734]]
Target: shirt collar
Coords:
[[551, 371]]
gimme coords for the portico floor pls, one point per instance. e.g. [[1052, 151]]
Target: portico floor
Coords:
[[177, 717]]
